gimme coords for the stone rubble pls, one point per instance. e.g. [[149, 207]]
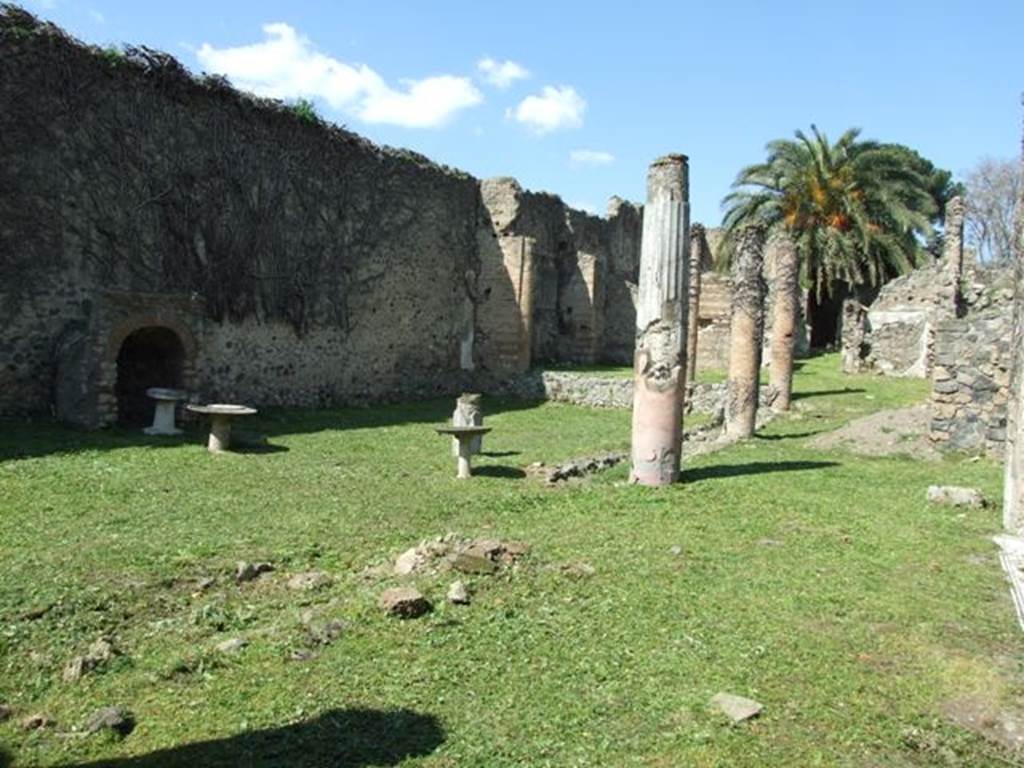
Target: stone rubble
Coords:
[[99, 653], [458, 594], [404, 603], [736, 708], [113, 719], [452, 552], [232, 645], [310, 581], [956, 496], [248, 571], [37, 722]]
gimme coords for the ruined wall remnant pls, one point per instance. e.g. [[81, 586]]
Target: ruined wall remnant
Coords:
[[899, 335], [661, 323], [970, 382]]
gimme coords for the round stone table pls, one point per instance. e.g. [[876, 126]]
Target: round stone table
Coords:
[[221, 415], [163, 416], [465, 436]]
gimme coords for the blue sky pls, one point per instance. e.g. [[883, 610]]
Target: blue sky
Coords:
[[577, 98]]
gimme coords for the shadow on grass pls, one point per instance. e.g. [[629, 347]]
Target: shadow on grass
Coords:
[[499, 471], [43, 437], [349, 737], [499, 454], [827, 392], [789, 435], [754, 468]]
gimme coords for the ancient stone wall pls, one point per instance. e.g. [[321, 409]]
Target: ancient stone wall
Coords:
[[321, 266], [970, 383], [293, 261], [970, 380]]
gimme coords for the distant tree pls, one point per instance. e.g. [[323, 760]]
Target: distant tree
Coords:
[[938, 181], [854, 211], [993, 189]]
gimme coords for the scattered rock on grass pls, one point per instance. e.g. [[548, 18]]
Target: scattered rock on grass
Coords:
[[458, 594], [956, 496], [310, 580], [5, 712], [324, 632], [36, 722], [736, 708], [404, 602], [468, 562], [676, 550], [232, 645], [576, 467], [248, 571], [98, 654], [409, 561], [450, 551], [112, 719]]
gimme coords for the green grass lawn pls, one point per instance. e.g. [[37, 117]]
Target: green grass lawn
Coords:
[[821, 585]]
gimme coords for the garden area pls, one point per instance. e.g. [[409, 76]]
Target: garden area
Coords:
[[873, 627]]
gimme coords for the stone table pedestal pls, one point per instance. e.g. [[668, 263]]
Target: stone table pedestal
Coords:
[[163, 416], [221, 415], [466, 436]]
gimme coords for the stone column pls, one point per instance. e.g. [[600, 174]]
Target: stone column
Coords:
[[1013, 479], [952, 257], [698, 244], [854, 332], [745, 333], [785, 311], [661, 322]]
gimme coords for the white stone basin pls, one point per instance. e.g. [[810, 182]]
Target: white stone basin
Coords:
[[163, 414], [465, 436], [220, 422], [161, 393], [222, 409]]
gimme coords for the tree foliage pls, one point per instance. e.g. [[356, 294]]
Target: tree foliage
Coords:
[[856, 210]]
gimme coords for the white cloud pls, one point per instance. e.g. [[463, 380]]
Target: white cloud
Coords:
[[286, 65], [556, 108], [591, 157], [501, 74], [98, 17]]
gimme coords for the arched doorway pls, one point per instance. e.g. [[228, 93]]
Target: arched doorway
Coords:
[[148, 357]]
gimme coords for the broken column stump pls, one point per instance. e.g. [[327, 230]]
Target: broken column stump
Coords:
[[661, 323]]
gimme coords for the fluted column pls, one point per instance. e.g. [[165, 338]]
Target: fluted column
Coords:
[[698, 243], [745, 333], [661, 323]]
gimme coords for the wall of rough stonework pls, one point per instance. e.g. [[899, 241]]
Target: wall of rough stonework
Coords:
[[970, 380], [296, 263], [970, 383]]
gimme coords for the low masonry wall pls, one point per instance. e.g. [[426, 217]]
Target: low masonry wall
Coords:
[[598, 391]]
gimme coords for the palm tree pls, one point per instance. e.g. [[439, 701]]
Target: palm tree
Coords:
[[855, 212]]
